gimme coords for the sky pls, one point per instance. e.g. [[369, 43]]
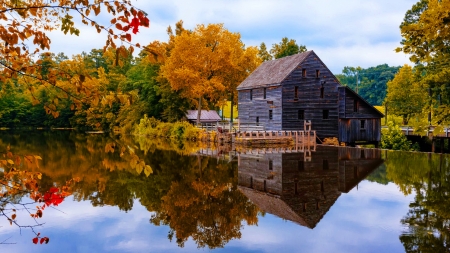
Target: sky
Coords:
[[343, 33]]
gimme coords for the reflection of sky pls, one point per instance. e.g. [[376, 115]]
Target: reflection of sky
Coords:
[[365, 220]]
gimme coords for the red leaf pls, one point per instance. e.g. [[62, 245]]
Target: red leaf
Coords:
[[42, 240], [35, 240]]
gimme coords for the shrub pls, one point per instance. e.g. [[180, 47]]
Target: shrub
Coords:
[[393, 138]]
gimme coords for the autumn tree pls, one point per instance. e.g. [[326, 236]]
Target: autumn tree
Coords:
[[24, 29], [404, 94], [426, 37], [263, 54], [286, 47], [202, 61]]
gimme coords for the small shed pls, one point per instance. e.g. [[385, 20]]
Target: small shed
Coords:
[[205, 116]]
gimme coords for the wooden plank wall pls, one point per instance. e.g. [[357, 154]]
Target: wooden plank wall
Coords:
[[309, 98], [259, 107], [254, 172], [350, 130], [365, 110]]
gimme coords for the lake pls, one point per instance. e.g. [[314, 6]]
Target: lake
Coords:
[[125, 195]]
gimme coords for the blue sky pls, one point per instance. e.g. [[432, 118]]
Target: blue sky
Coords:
[[342, 33]]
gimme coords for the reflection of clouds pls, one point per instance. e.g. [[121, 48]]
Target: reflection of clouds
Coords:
[[364, 220]]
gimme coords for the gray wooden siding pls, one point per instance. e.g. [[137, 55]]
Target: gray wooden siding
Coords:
[[309, 98], [350, 130], [259, 107], [364, 109]]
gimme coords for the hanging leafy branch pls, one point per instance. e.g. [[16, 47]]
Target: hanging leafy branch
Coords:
[[24, 26]]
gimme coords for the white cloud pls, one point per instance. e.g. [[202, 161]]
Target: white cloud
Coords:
[[343, 33]]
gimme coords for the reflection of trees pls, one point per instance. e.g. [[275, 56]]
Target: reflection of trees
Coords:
[[206, 205], [196, 196], [428, 220]]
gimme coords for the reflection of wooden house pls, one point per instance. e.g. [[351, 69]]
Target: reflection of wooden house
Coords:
[[303, 190], [283, 93]]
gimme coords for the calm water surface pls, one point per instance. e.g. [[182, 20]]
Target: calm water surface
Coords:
[[327, 200]]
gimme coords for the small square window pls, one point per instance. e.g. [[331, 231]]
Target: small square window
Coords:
[[301, 114], [270, 114], [363, 124], [325, 165], [300, 165], [325, 114], [317, 73], [303, 72], [296, 92], [265, 93]]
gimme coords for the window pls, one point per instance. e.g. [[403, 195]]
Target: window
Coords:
[[317, 73], [296, 92], [257, 119], [363, 124], [301, 165], [301, 114], [270, 102], [303, 72], [251, 94], [355, 105], [321, 91], [270, 165], [325, 165], [325, 114], [264, 93], [270, 114]]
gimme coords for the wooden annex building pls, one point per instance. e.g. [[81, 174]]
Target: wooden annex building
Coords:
[[281, 94]]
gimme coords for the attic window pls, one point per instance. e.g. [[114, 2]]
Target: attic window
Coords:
[[321, 91], [355, 105], [303, 72], [326, 114], [317, 73], [264, 93], [257, 120], [251, 94], [296, 92]]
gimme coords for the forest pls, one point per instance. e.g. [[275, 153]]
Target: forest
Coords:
[[112, 88]]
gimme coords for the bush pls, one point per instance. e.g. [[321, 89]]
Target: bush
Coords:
[[393, 138], [181, 130]]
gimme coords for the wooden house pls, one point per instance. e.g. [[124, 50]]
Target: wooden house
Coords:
[[281, 94], [303, 190]]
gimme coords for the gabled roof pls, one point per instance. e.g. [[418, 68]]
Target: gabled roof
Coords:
[[205, 116], [362, 99], [273, 72]]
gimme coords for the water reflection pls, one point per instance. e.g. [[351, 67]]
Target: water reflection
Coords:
[[210, 199], [302, 187], [427, 224]]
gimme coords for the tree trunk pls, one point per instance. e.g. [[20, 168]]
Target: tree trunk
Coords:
[[199, 113]]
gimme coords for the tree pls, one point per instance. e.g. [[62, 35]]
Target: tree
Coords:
[[202, 61], [404, 94], [286, 47], [263, 54], [24, 36]]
